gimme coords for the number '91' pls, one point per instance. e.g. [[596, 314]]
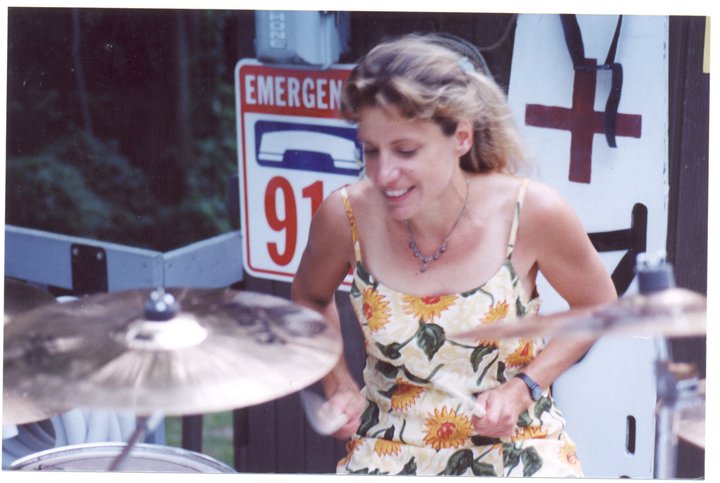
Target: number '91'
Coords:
[[288, 223]]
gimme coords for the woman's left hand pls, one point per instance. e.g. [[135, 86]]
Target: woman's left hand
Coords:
[[503, 407]]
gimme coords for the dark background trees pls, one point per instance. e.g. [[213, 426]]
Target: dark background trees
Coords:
[[121, 122]]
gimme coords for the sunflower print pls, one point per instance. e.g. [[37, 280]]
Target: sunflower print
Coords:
[[523, 355], [529, 432], [568, 454], [384, 447], [350, 447], [497, 312], [408, 425], [426, 309], [447, 429], [405, 395], [376, 309]]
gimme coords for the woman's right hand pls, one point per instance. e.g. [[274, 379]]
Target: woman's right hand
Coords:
[[351, 404]]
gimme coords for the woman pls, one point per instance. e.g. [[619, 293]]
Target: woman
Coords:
[[443, 238]]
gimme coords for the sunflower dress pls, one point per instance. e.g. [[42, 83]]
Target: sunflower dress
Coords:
[[410, 425]]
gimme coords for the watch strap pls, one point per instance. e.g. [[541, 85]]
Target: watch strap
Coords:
[[533, 387]]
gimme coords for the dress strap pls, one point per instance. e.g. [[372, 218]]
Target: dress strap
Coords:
[[353, 225], [516, 218]]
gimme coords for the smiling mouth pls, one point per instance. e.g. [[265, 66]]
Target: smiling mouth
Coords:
[[396, 193]]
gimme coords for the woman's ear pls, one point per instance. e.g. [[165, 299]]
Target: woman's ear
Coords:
[[463, 137]]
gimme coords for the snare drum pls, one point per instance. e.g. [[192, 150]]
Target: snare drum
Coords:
[[99, 457]]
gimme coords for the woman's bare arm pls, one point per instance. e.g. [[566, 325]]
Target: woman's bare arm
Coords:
[[324, 264], [555, 239]]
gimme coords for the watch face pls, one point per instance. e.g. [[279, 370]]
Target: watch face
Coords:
[[536, 393]]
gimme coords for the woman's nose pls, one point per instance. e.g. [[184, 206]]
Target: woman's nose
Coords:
[[387, 171]]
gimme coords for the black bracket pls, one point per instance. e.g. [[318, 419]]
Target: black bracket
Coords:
[[89, 269]]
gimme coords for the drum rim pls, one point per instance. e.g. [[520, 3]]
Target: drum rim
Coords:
[[110, 449]]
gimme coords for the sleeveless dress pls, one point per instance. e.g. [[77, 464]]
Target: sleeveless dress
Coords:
[[411, 426]]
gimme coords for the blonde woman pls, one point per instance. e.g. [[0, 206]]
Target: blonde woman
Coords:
[[443, 237]]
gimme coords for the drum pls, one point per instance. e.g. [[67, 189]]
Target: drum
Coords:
[[99, 457]]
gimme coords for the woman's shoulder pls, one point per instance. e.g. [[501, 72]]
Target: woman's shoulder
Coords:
[[359, 197], [359, 191], [546, 213], [512, 184], [543, 199], [505, 188], [336, 208]]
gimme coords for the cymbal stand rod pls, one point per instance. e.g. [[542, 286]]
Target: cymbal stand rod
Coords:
[[654, 274], [677, 384], [666, 445], [145, 425]]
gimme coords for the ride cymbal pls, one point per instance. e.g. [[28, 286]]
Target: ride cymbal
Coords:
[[20, 297], [223, 349], [674, 313]]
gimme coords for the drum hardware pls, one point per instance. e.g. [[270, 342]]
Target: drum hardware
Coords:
[[98, 456], [677, 383], [690, 418], [174, 351], [678, 390]]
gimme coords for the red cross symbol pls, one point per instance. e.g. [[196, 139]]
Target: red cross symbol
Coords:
[[583, 122]]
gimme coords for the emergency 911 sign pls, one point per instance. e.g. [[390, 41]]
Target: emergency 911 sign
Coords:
[[293, 150]]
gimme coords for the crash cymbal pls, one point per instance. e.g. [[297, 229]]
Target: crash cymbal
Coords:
[[20, 297], [223, 349], [674, 313], [20, 408]]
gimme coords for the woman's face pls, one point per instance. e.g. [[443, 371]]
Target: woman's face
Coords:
[[410, 162]]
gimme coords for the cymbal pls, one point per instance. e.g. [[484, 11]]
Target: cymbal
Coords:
[[224, 349], [20, 408], [674, 313], [20, 297]]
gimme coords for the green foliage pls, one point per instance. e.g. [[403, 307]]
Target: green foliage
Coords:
[[79, 186], [41, 188], [125, 182]]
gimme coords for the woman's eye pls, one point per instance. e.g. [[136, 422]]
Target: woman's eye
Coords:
[[369, 152], [407, 152]]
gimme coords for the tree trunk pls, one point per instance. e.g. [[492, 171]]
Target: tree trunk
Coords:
[[80, 73], [183, 106]]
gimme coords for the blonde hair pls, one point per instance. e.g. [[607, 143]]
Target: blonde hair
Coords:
[[427, 77]]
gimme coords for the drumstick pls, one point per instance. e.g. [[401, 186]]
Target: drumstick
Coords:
[[145, 424], [475, 408]]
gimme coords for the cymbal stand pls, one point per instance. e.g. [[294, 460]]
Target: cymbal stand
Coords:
[[676, 382], [145, 425], [677, 386]]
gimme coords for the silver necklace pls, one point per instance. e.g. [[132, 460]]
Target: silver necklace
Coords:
[[426, 260]]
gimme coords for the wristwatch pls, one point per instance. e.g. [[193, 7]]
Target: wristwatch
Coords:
[[535, 390]]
